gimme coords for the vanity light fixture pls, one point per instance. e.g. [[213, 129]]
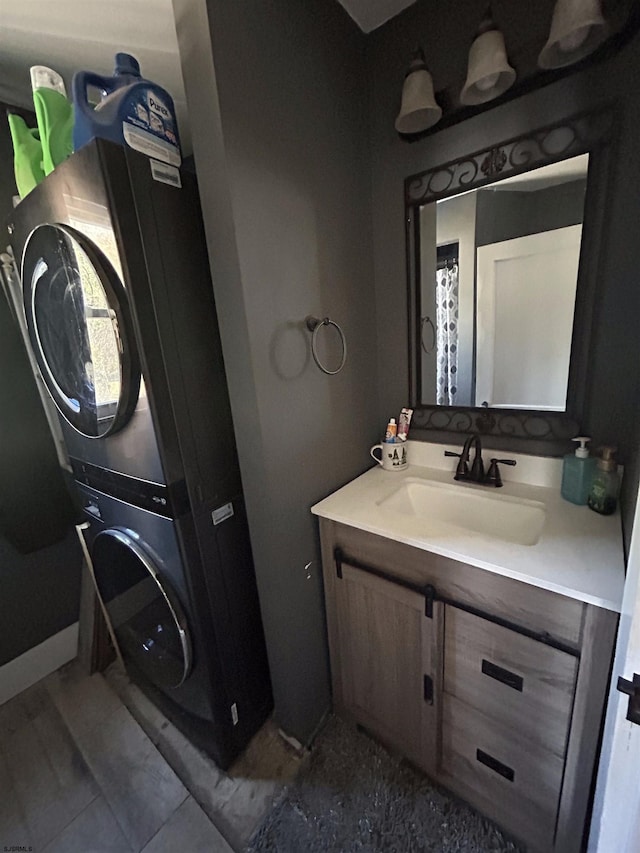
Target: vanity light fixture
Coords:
[[577, 29], [419, 109], [489, 73]]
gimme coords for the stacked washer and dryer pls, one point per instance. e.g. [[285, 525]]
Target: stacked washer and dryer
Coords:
[[122, 322]]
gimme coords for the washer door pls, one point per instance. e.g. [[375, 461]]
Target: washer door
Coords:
[[145, 614], [79, 325]]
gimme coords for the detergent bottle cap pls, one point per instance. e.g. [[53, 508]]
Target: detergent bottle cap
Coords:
[[127, 64], [46, 78]]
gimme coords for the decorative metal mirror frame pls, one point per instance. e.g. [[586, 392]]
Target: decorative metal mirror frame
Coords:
[[516, 429]]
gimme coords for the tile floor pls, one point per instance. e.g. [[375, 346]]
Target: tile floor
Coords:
[[88, 765]]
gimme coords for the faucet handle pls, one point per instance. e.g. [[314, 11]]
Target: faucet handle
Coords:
[[493, 475], [462, 470]]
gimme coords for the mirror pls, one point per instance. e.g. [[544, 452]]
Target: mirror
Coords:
[[498, 276], [502, 273]]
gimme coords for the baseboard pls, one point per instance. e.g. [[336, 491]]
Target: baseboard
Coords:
[[300, 748], [38, 662], [292, 741]]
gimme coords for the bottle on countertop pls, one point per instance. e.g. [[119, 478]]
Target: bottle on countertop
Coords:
[[578, 472], [603, 496], [392, 430]]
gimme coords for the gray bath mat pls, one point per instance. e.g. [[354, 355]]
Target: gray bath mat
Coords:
[[354, 797]]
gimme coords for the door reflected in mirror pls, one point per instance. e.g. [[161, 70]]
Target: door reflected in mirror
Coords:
[[499, 271]]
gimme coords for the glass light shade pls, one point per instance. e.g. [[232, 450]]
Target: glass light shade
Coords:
[[577, 29], [419, 109], [489, 73]]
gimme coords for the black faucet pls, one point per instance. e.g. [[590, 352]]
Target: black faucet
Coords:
[[477, 474]]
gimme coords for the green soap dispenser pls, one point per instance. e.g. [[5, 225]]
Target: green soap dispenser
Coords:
[[578, 472], [603, 496]]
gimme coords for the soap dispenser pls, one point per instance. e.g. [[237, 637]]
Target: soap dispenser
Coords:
[[578, 472], [603, 496]]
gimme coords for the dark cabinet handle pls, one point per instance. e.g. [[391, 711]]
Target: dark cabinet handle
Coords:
[[502, 675], [495, 765], [428, 689]]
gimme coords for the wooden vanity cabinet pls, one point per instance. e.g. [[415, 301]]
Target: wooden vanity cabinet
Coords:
[[494, 687]]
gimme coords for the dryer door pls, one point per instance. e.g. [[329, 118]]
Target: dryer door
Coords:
[[145, 614], [80, 329]]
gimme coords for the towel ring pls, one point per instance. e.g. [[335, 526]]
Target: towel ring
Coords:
[[423, 322], [314, 325]]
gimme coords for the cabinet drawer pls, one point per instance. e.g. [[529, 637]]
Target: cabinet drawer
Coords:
[[516, 681], [514, 782]]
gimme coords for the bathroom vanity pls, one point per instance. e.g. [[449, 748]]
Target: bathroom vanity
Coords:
[[472, 629]]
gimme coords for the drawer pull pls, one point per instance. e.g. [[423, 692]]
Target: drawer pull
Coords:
[[503, 675], [493, 764], [428, 689]]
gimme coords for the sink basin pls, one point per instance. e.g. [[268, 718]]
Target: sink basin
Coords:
[[502, 517]]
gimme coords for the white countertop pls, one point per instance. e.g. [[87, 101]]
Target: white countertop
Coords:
[[579, 553]]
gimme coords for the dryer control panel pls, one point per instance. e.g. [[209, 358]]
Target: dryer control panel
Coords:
[[154, 497]]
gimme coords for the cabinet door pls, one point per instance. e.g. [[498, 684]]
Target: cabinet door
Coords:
[[388, 662]]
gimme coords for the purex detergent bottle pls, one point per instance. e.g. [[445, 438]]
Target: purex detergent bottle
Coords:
[[130, 110]]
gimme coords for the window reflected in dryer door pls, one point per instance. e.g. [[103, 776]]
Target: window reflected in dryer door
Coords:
[[146, 617], [80, 330]]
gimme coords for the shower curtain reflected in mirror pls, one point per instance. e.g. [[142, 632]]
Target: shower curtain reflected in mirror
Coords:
[[447, 334]]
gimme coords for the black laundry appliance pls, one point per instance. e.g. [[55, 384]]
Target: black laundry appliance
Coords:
[[122, 322]]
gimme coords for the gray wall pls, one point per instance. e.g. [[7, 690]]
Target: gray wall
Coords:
[[505, 215], [615, 365], [279, 125], [39, 592], [428, 331]]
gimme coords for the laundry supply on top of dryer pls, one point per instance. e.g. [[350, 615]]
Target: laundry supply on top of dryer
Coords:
[[54, 114], [37, 151], [130, 111], [27, 154]]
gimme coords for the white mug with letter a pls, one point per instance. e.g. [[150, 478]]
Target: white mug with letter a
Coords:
[[393, 455]]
